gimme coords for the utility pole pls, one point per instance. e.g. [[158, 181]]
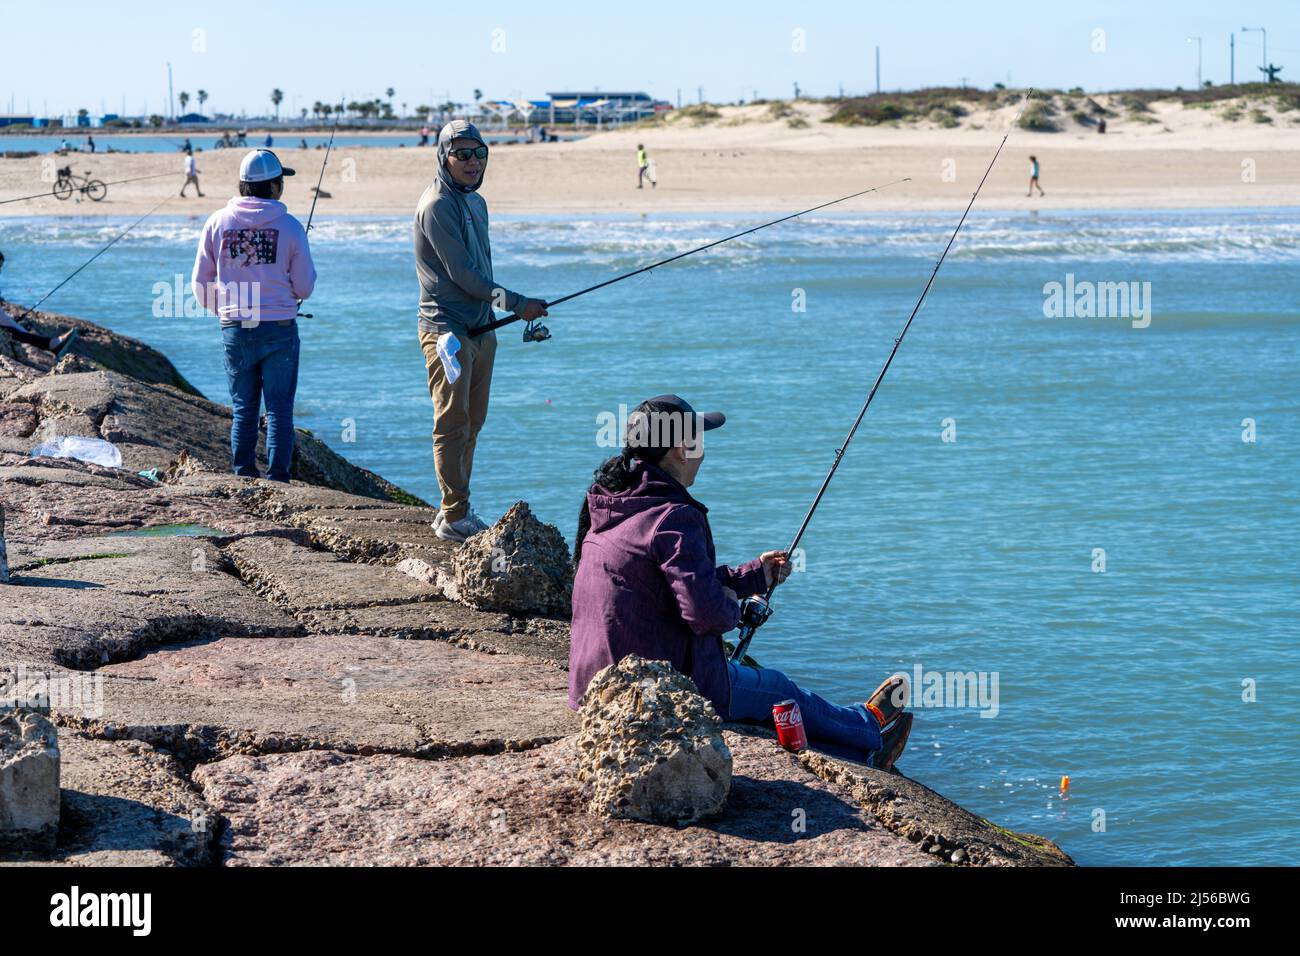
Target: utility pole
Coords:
[[679, 97], [171, 100], [1198, 59], [1232, 59], [700, 91], [877, 69]]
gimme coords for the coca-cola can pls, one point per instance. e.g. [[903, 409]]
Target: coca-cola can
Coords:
[[789, 726]]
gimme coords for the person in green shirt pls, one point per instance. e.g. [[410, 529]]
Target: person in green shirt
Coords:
[[643, 168]]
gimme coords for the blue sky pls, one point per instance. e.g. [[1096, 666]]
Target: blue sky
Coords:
[[95, 54]]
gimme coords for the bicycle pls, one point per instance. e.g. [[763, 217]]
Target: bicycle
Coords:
[[67, 184], [228, 142]]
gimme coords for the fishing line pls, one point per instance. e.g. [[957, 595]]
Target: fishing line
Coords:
[[321, 179], [103, 250], [749, 627], [114, 182], [475, 333]]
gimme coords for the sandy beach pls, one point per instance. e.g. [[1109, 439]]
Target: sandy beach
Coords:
[[744, 161]]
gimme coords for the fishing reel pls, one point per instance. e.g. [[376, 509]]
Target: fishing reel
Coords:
[[536, 332], [754, 612]]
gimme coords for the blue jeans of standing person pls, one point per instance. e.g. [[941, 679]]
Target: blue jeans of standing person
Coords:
[[841, 730], [262, 364]]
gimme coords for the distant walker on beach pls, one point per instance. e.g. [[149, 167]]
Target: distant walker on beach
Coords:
[[1033, 177]]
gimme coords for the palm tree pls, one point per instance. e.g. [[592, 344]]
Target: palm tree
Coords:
[[203, 98], [391, 93], [277, 98], [184, 99]]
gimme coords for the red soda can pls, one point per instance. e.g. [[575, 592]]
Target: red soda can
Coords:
[[789, 726]]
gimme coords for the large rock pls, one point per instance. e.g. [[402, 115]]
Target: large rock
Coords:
[[650, 746], [84, 602], [29, 780], [17, 419], [519, 566], [350, 693], [125, 804], [525, 808], [122, 391]]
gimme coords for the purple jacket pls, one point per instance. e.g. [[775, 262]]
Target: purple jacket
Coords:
[[648, 584]]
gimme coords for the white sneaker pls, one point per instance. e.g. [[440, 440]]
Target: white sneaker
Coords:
[[478, 522], [456, 531]]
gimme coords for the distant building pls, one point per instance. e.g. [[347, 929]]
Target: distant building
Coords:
[[17, 120], [594, 106], [194, 118]]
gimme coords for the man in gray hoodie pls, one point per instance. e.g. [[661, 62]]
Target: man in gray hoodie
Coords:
[[453, 259]]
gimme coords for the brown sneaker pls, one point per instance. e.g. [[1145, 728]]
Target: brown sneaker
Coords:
[[893, 741], [890, 699]]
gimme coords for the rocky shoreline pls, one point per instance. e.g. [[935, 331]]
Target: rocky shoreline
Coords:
[[303, 674]]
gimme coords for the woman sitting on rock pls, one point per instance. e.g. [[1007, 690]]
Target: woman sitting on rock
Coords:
[[646, 582]]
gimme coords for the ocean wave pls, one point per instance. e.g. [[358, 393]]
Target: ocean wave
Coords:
[[1220, 236]]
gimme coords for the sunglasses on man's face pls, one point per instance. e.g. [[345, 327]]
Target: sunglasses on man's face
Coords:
[[465, 152]]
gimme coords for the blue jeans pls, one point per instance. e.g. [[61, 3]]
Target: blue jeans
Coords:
[[841, 730], [262, 363]]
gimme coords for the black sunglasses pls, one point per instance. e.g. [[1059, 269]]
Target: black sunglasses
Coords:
[[465, 152]]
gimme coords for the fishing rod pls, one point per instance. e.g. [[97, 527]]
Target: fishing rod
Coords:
[[103, 250], [752, 620], [536, 333], [114, 182], [316, 195]]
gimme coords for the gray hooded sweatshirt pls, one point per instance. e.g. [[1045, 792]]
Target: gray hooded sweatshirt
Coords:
[[453, 256]]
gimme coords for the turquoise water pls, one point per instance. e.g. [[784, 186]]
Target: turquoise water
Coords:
[[146, 143], [975, 555]]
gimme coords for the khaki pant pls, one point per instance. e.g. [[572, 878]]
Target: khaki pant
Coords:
[[459, 412]]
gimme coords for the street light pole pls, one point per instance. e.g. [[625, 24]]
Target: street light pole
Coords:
[[1198, 59]]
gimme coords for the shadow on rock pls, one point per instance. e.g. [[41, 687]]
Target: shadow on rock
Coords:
[[783, 811]]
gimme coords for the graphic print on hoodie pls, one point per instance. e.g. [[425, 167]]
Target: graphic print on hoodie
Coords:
[[250, 247]]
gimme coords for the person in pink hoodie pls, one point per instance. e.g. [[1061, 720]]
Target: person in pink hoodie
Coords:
[[254, 269]]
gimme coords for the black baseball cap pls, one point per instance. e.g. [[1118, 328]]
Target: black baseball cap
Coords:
[[659, 423], [664, 403]]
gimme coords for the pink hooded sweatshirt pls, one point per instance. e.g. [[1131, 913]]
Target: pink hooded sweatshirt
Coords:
[[253, 262]]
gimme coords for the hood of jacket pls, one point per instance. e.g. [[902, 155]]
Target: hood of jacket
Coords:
[[653, 487], [250, 211], [457, 129]]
